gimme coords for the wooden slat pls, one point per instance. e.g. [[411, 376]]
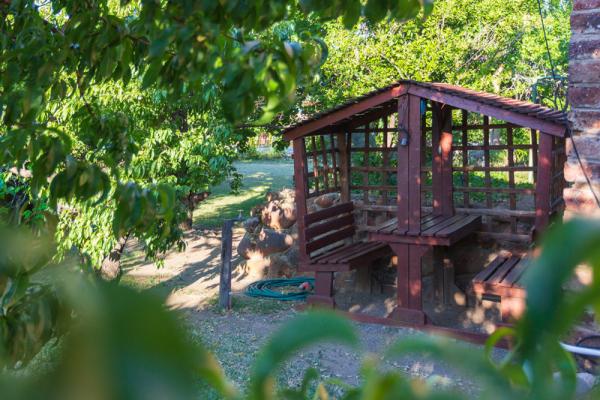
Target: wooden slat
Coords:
[[387, 224], [325, 254], [371, 149], [543, 184], [341, 253], [503, 270], [493, 111], [368, 248], [346, 112], [457, 226], [325, 163], [498, 147], [301, 191], [431, 222], [385, 157], [334, 155], [515, 274], [485, 273], [373, 187], [328, 212], [344, 150], [486, 159], [330, 239], [465, 160], [442, 224], [313, 143], [330, 225]]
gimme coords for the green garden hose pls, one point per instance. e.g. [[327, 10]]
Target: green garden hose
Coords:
[[264, 288]]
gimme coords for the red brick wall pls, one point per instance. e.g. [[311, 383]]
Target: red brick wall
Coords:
[[584, 97]]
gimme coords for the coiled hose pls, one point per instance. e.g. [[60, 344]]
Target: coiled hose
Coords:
[[264, 288]]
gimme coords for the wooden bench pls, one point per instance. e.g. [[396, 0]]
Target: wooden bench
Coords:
[[329, 247], [501, 281]]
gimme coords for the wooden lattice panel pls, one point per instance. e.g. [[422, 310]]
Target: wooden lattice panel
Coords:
[[323, 161], [494, 169], [373, 168]]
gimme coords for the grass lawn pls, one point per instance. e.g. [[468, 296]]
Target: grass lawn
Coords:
[[260, 177]]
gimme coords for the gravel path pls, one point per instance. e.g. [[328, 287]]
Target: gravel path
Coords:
[[189, 283], [236, 337]]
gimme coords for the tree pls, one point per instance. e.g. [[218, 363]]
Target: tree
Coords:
[[88, 87], [488, 45]]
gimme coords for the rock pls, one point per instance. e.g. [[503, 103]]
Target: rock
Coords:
[[246, 248], [279, 215], [293, 256], [250, 224], [270, 241], [585, 383], [280, 266], [327, 200], [265, 243]]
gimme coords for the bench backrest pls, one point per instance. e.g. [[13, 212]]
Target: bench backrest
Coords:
[[328, 227]]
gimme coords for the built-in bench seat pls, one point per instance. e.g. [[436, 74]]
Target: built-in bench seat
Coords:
[[329, 247], [501, 281]]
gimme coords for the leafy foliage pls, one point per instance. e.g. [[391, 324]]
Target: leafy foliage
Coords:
[[489, 45], [114, 112], [111, 353]]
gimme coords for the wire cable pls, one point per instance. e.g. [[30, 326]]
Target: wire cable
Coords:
[[546, 39], [569, 132]]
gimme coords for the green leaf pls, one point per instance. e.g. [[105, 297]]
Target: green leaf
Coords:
[[151, 73], [302, 331]]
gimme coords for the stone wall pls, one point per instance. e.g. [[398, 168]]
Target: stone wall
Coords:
[[584, 97]]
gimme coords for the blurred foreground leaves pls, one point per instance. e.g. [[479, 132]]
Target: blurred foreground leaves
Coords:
[[121, 344]]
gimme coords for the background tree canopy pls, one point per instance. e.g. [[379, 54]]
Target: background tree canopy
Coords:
[[489, 45], [117, 109]]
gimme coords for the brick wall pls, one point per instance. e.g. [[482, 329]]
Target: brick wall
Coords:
[[584, 97]]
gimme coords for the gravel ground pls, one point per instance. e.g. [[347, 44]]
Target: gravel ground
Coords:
[[236, 337]]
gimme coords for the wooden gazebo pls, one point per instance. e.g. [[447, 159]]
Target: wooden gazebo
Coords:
[[418, 167]]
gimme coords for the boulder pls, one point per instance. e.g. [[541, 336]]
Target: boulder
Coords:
[[270, 241], [293, 256], [246, 247], [327, 200], [250, 224], [279, 215], [280, 266], [265, 243]]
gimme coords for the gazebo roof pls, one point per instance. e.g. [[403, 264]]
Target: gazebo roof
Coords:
[[380, 102]]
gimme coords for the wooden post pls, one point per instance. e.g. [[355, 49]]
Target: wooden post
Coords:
[[441, 138], [225, 278], [403, 164], [323, 290], [414, 166], [543, 183], [301, 186], [446, 153], [409, 290]]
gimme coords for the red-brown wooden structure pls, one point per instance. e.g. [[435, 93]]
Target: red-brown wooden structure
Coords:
[[420, 166]]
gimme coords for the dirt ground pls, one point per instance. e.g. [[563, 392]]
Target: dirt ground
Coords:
[[189, 280]]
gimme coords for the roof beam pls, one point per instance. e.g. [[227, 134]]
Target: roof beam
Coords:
[[345, 112], [486, 109]]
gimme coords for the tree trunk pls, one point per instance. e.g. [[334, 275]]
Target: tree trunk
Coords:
[[110, 270]]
